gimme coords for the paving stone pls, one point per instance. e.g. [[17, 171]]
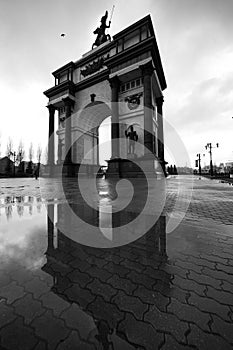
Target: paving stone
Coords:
[[17, 336], [21, 275], [168, 323], [174, 270], [103, 289], [6, 313], [28, 307], [204, 279], [79, 277], [94, 261], [80, 264], [12, 292], [44, 277], [101, 310], [189, 285], [140, 334], [60, 268], [51, 329], [36, 287], [157, 274], [220, 275], [4, 279], [209, 305], [154, 262], [40, 346], [188, 265], [189, 313], [80, 253], [201, 262], [62, 283], [120, 270], [122, 283], [131, 304], [116, 259], [79, 295], [171, 344], [224, 329], [204, 341], [220, 296], [73, 342], [152, 297], [125, 253], [227, 287], [214, 258], [75, 318], [101, 274], [179, 294], [54, 302], [224, 268], [133, 265], [141, 279]]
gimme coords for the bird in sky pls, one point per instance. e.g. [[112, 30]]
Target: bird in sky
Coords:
[[62, 35]]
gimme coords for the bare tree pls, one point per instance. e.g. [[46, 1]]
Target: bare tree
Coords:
[[30, 163], [46, 155], [9, 148], [38, 154], [31, 152], [21, 152]]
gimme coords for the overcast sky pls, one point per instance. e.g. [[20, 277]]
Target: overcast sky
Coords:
[[195, 43]]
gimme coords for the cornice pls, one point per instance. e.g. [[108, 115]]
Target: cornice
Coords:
[[97, 78], [145, 20], [148, 44], [63, 68], [66, 85]]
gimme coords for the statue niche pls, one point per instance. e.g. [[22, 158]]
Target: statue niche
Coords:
[[133, 137]]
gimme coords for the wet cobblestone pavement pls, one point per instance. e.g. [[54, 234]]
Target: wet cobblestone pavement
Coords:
[[163, 291]]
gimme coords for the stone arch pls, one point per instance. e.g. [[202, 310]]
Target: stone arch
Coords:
[[92, 115], [86, 137]]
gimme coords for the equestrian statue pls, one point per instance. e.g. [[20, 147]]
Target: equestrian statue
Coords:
[[100, 31]]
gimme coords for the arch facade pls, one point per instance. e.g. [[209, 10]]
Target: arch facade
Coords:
[[122, 78]]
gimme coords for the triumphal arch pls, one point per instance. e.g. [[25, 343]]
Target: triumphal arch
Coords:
[[121, 77]]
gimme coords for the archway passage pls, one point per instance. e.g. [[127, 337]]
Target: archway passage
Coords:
[[92, 136], [105, 146]]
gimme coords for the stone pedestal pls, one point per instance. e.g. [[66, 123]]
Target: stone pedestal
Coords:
[[126, 168]]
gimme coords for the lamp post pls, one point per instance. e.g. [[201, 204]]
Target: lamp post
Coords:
[[209, 145], [198, 161]]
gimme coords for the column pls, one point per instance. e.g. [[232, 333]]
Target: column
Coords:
[[159, 104], [115, 83], [147, 71], [68, 108], [50, 227], [97, 146], [51, 109]]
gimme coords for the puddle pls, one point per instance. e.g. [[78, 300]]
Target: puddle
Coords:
[[42, 254]]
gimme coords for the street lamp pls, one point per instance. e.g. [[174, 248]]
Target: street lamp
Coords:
[[209, 145], [198, 162]]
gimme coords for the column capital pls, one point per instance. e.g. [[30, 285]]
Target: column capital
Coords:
[[159, 101], [147, 68], [68, 101], [114, 82], [51, 108]]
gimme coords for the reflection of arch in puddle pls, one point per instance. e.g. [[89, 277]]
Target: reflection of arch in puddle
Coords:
[[93, 280]]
